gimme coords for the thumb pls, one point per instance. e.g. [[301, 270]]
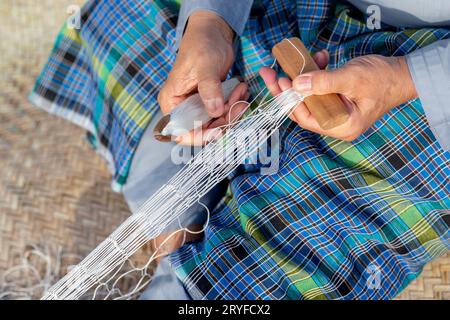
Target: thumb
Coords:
[[210, 91], [320, 82]]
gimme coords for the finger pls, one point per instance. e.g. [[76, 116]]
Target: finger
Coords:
[[191, 138], [322, 82], [305, 119], [322, 58], [209, 135], [213, 129], [210, 91], [284, 84], [223, 123], [235, 112], [240, 93], [236, 106], [167, 99], [199, 136], [176, 89], [270, 79]]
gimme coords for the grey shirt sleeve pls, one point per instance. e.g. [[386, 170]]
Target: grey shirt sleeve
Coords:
[[234, 12], [430, 70]]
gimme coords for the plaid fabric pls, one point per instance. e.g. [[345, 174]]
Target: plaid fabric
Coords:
[[338, 221], [106, 76]]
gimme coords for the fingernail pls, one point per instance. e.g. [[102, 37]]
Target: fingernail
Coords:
[[214, 106], [303, 83]]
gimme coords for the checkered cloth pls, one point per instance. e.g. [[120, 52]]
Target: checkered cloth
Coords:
[[339, 220]]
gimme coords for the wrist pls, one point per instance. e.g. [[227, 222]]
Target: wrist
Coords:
[[206, 20], [404, 78]]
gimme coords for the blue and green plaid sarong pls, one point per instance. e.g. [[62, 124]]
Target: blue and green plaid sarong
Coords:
[[339, 220]]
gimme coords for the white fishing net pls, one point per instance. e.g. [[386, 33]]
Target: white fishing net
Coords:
[[106, 265], [41, 266]]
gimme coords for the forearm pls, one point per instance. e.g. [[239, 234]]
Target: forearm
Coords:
[[430, 71], [206, 20], [234, 12]]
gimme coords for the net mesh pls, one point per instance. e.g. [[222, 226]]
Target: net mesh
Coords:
[[41, 266]]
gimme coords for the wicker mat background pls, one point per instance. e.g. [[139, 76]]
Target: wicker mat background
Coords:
[[54, 190]]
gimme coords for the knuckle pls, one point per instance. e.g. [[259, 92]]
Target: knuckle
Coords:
[[208, 86], [328, 82], [350, 138], [322, 82], [163, 100], [160, 97], [354, 134]]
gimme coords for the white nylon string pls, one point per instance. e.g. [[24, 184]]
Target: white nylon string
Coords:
[[212, 164]]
